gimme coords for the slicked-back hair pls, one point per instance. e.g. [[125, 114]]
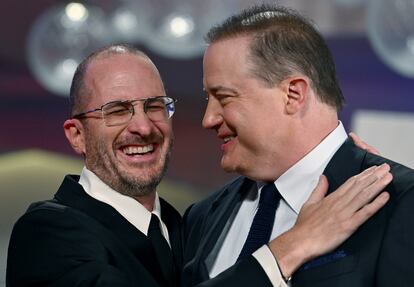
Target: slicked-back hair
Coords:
[[283, 44], [79, 92]]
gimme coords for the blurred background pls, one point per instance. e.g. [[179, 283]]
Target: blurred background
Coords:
[[42, 41]]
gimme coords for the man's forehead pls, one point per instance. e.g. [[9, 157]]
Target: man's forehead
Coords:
[[116, 66], [227, 55], [234, 49], [233, 41], [122, 75], [119, 59]]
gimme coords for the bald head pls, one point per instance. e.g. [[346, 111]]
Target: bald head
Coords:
[[80, 91]]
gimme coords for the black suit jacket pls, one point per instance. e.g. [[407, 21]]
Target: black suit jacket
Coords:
[[75, 240], [205, 225], [378, 254]]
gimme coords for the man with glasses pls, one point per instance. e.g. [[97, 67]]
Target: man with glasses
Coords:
[[107, 227]]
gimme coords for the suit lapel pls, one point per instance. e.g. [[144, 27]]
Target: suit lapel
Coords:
[[346, 162], [221, 210], [72, 194], [356, 253]]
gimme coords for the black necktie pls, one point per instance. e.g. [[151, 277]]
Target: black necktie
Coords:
[[262, 225], [162, 250]]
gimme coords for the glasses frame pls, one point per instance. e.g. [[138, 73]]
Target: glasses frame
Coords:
[[145, 100]]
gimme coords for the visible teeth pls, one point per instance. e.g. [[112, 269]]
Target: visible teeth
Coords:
[[227, 139], [138, 149]]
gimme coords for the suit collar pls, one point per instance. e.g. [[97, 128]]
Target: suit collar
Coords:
[[346, 162], [131, 209], [72, 194], [308, 169]]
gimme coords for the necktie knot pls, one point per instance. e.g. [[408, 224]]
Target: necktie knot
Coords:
[[269, 195], [154, 224]]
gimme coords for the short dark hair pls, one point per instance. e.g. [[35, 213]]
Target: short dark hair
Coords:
[[284, 43], [79, 93]]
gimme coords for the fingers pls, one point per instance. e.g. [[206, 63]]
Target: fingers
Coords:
[[362, 185], [320, 190], [328, 221], [357, 140], [379, 179], [361, 144], [348, 188], [371, 177], [356, 191], [369, 210]]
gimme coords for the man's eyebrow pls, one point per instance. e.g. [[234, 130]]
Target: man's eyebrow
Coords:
[[220, 88]]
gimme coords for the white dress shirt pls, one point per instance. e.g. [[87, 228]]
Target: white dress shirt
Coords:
[[295, 186], [129, 208]]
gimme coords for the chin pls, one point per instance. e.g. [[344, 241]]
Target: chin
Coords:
[[227, 166], [142, 174]]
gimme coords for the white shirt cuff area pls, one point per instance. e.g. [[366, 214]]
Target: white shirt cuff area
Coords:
[[268, 262]]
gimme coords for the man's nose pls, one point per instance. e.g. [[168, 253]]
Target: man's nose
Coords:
[[213, 114], [140, 123]]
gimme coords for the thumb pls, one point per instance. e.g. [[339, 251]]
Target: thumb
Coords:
[[319, 191]]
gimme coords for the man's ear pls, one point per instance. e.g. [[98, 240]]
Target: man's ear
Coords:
[[75, 134], [297, 90]]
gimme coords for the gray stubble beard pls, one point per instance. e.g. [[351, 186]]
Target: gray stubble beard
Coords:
[[135, 189], [125, 184]]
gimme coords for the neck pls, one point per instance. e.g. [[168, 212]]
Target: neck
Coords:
[[306, 135], [148, 201], [313, 131]]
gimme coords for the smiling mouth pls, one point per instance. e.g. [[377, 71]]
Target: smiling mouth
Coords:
[[138, 150], [227, 139]]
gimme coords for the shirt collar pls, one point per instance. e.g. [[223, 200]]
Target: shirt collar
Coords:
[[298, 182], [129, 208]]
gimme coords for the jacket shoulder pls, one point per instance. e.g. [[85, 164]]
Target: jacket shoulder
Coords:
[[403, 176], [167, 208]]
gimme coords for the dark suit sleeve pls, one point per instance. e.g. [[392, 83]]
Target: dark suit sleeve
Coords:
[[397, 253], [51, 249]]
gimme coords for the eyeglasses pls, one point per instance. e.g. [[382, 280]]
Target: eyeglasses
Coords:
[[120, 112]]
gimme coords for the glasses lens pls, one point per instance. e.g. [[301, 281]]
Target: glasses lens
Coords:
[[159, 109], [117, 113]]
